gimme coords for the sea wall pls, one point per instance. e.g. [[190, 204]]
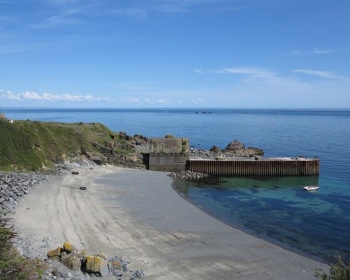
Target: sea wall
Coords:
[[168, 154], [174, 155], [269, 167], [173, 162]]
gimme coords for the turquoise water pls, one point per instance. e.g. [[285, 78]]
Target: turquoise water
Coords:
[[315, 224], [277, 209]]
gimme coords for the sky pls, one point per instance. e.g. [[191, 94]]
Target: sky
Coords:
[[175, 53]]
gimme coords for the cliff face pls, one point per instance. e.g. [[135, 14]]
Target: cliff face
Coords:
[[31, 145]]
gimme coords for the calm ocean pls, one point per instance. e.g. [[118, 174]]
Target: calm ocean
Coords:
[[316, 224]]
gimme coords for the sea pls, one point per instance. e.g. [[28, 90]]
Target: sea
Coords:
[[276, 209]]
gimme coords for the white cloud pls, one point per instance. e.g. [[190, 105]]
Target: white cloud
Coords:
[[11, 96], [133, 9], [261, 77], [69, 17], [199, 71], [321, 51], [297, 52], [254, 72], [163, 101], [198, 101], [320, 74], [131, 100], [33, 96], [312, 52]]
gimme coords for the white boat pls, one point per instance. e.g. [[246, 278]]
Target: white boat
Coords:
[[311, 188]]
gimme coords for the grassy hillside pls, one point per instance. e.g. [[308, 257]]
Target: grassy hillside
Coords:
[[30, 145]]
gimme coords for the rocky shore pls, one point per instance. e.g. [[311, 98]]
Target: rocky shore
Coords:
[[116, 216], [188, 175], [14, 186]]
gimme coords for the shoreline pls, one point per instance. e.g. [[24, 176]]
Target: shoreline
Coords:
[[138, 214], [246, 231]]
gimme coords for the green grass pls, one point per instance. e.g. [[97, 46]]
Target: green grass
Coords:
[[12, 265], [340, 270], [30, 145]]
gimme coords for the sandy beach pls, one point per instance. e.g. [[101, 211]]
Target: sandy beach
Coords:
[[137, 215]]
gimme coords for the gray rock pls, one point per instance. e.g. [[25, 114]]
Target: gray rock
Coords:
[[139, 274], [235, 146]]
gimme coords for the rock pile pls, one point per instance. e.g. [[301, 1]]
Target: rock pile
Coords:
[[188, 175], [235, 149], [27, 248], [69, 264], [13, 186]]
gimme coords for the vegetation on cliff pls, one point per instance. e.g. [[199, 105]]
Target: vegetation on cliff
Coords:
[[31, 145], [12, 265]]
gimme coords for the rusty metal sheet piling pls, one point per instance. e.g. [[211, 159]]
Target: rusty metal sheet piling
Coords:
[[270, 167]]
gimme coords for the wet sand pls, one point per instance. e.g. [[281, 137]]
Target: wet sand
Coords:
[[136, 214]]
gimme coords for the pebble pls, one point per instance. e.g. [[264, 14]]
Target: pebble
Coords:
[[13, 186], [188, 175]]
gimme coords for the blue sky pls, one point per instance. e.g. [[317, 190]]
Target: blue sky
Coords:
[[175, 53]]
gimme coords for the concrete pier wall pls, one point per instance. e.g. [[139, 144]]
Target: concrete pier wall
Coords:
[[168, 154], [277, 167], [167, 162]]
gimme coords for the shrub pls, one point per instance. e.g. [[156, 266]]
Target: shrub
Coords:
[[340, 270], [12, 265]]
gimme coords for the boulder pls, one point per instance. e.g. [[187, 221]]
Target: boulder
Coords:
[[250, 151], [68, 247], [55, 253], [114, 264], [72, 261], [97, 159], [123, 135], [235, 146], [215, 149], [238, 148], [61, 158], [96, 265], [132, 159]]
